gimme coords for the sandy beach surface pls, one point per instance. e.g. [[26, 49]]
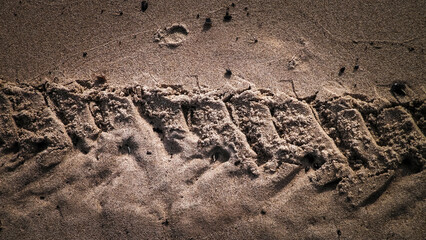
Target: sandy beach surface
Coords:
[[212, 120]]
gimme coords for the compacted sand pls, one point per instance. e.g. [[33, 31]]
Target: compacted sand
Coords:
[[216, 120]]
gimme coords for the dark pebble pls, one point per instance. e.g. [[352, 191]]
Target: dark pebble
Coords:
[[227, 17], [144, 6], [399, 89], [341, 71]]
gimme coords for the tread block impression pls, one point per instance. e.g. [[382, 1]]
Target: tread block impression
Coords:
[[297, 124], [162, 108], [72, 109], [361, 148], [255, 121], [111, 111], [212, 123], [397, 129], [33, 140], [30, 126]]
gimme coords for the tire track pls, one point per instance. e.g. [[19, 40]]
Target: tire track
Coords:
[[349, 141]]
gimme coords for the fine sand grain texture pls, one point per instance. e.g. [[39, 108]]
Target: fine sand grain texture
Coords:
[[216, 120]]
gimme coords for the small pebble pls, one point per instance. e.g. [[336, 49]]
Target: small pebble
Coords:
[[356, 67], [144, 6], [399, 89], [227, 17], [341, 71]]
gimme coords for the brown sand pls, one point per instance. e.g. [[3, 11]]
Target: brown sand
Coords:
[[275, 120]]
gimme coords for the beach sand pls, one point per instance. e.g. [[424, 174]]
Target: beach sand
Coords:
[[215, 120]]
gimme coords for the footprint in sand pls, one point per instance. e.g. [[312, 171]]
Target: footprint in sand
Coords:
[[172, 36]]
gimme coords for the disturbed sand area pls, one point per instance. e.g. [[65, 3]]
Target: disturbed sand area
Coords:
[[216, 120], [165, 162]]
